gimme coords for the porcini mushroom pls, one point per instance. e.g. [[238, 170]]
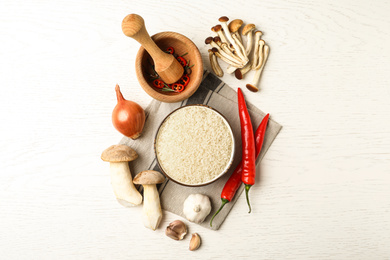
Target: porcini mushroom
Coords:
[[119, 157], [247, 31], [151, 209], [253, 86], [224, 25], [255, 60], [214, 64]]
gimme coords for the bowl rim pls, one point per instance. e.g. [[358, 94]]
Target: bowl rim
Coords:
[[228, 165], [197, 79]]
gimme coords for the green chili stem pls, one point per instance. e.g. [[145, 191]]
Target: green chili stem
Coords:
[[224, 201], [247, 187]]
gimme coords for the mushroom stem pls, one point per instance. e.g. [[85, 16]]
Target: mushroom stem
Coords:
[[122, 184], [214, 64], [261, 55], [152, 213], [235, 36], [231, 69], [255, 60], [249, 43], [256, 79]]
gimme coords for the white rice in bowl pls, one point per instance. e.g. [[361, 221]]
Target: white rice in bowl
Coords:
[[194, 145]]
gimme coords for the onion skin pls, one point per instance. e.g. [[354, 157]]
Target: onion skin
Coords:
[[128, 117]]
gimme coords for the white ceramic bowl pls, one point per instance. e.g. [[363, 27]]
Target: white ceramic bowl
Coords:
[[168, 172]]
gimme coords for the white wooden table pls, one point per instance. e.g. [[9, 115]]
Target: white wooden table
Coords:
[[324, 187]]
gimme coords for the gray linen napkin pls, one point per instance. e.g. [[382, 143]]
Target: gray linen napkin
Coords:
[[216, 94]]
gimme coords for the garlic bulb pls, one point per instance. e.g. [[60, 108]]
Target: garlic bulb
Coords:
[[196, 207]]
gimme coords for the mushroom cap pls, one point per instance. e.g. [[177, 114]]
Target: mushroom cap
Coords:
[[208, 40], [248, 28], [238, 74], [217, 28], [149, 177], [214, 50], [119, 153], [260, 33], [252, 88], [217, 39], [223, 19], [235, 25]]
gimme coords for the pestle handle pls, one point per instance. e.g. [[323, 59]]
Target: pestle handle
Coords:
[[168, 68]]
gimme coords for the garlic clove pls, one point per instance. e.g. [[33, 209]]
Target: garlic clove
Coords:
[[195, 242], [176, 230]]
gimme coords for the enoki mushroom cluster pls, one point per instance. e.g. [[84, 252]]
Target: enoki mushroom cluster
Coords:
[[242, 57]]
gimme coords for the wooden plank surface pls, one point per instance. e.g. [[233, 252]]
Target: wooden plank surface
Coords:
[[323, 190]]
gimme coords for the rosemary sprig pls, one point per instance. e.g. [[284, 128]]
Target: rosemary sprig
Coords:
[[167, 88]]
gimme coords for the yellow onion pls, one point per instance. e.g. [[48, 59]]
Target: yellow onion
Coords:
[[128, 117]]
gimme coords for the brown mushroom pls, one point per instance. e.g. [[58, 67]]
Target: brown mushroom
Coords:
[[247, 31], [253, 86], [255, 60], [219, 31], [152, 213], [234, 26], [260, 55], [214, 64], [239, 73]]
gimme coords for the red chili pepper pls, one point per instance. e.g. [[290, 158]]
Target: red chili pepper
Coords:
[[158, 83], [248, 146], [182, 61], [234, 182], [177, 87], [184, 80], [170, 50]]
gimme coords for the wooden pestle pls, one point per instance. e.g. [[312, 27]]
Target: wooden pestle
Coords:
[[166, 65]]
